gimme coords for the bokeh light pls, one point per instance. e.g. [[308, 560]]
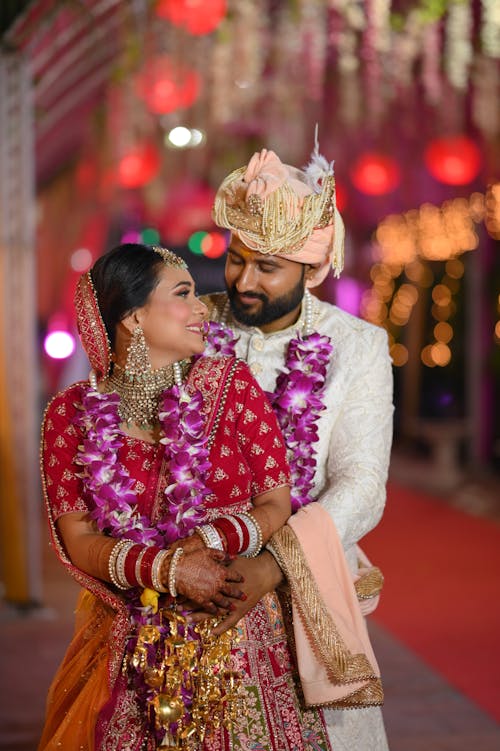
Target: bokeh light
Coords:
[[399, 355], [131, 236], [59, 345], [443, 332], [198, 17], [138, 166], [179, 136], [497, 332], [166, 85], [440, 354], [150, 236], [375, 174], [81, 260], [454, 160], [195, 241], [213, 245]]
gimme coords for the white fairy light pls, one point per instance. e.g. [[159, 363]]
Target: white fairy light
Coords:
[[490, 28], [179, 136], [197, 137], [458, 46]]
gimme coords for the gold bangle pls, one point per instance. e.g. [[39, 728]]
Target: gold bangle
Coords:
[[172, 571], [113, 556], [156, 570]]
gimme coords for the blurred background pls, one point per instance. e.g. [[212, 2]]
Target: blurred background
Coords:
[[117, 122]]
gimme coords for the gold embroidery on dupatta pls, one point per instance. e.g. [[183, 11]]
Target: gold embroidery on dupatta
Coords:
[[342, 667], [370, 584]]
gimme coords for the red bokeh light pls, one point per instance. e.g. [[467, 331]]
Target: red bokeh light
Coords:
[[455, 160], [188, 207], [197, 16], [213, 245], [139, 166], [86, 175], [340, 195], [375, 174], [166, 86]]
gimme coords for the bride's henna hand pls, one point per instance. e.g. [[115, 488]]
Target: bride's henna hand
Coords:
[[189, 544], [202, 576]]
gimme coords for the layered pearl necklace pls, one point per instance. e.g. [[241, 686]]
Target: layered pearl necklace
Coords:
[[297, 399]]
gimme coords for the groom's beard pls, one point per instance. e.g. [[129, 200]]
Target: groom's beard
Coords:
[[268, 311]]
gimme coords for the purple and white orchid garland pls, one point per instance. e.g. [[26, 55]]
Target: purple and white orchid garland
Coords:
[[109, 484], [297, 400], [114, 509]]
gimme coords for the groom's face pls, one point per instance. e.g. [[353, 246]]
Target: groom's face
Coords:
[[263, 290]]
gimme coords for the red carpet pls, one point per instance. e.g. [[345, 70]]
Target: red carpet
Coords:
[[441, 596]]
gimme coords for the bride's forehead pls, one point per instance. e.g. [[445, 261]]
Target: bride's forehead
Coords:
[[170, 276]]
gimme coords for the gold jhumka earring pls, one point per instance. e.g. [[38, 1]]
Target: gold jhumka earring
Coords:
[[137, 364], [138, 385]]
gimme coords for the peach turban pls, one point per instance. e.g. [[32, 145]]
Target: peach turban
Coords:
[[280, 210]]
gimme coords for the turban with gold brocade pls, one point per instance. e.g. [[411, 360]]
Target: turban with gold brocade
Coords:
[[279, 210]]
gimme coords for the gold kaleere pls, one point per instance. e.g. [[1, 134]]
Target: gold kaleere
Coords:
[[200, 666]]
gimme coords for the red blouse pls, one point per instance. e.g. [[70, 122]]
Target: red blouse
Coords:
[[247, 452]]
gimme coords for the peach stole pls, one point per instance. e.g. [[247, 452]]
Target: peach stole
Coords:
[[336, 663]]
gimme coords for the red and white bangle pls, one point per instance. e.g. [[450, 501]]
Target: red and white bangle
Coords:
[[129, 565], [138, 567], [241, 532], [134, 565], [120, 564], [230, 531], [244, 532], [210, 536], [147, 561], [255, 535]]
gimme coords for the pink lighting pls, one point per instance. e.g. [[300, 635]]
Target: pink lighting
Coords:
[[348, 293], [131, 236], [59, 345], [81, 260]]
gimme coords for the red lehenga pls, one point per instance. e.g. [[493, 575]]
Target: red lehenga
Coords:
[[89, 705]]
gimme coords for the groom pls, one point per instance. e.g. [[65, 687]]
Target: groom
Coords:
[[286, 236]]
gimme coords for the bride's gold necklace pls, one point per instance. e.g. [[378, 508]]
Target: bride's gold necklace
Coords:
[[140, 395]]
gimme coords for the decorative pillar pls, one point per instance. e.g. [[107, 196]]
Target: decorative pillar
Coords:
[[20, 504], [479, 342]]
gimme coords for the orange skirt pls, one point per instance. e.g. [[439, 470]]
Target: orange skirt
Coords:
[[80, 687]]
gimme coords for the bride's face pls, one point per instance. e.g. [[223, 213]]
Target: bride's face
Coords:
[[172, 319]]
